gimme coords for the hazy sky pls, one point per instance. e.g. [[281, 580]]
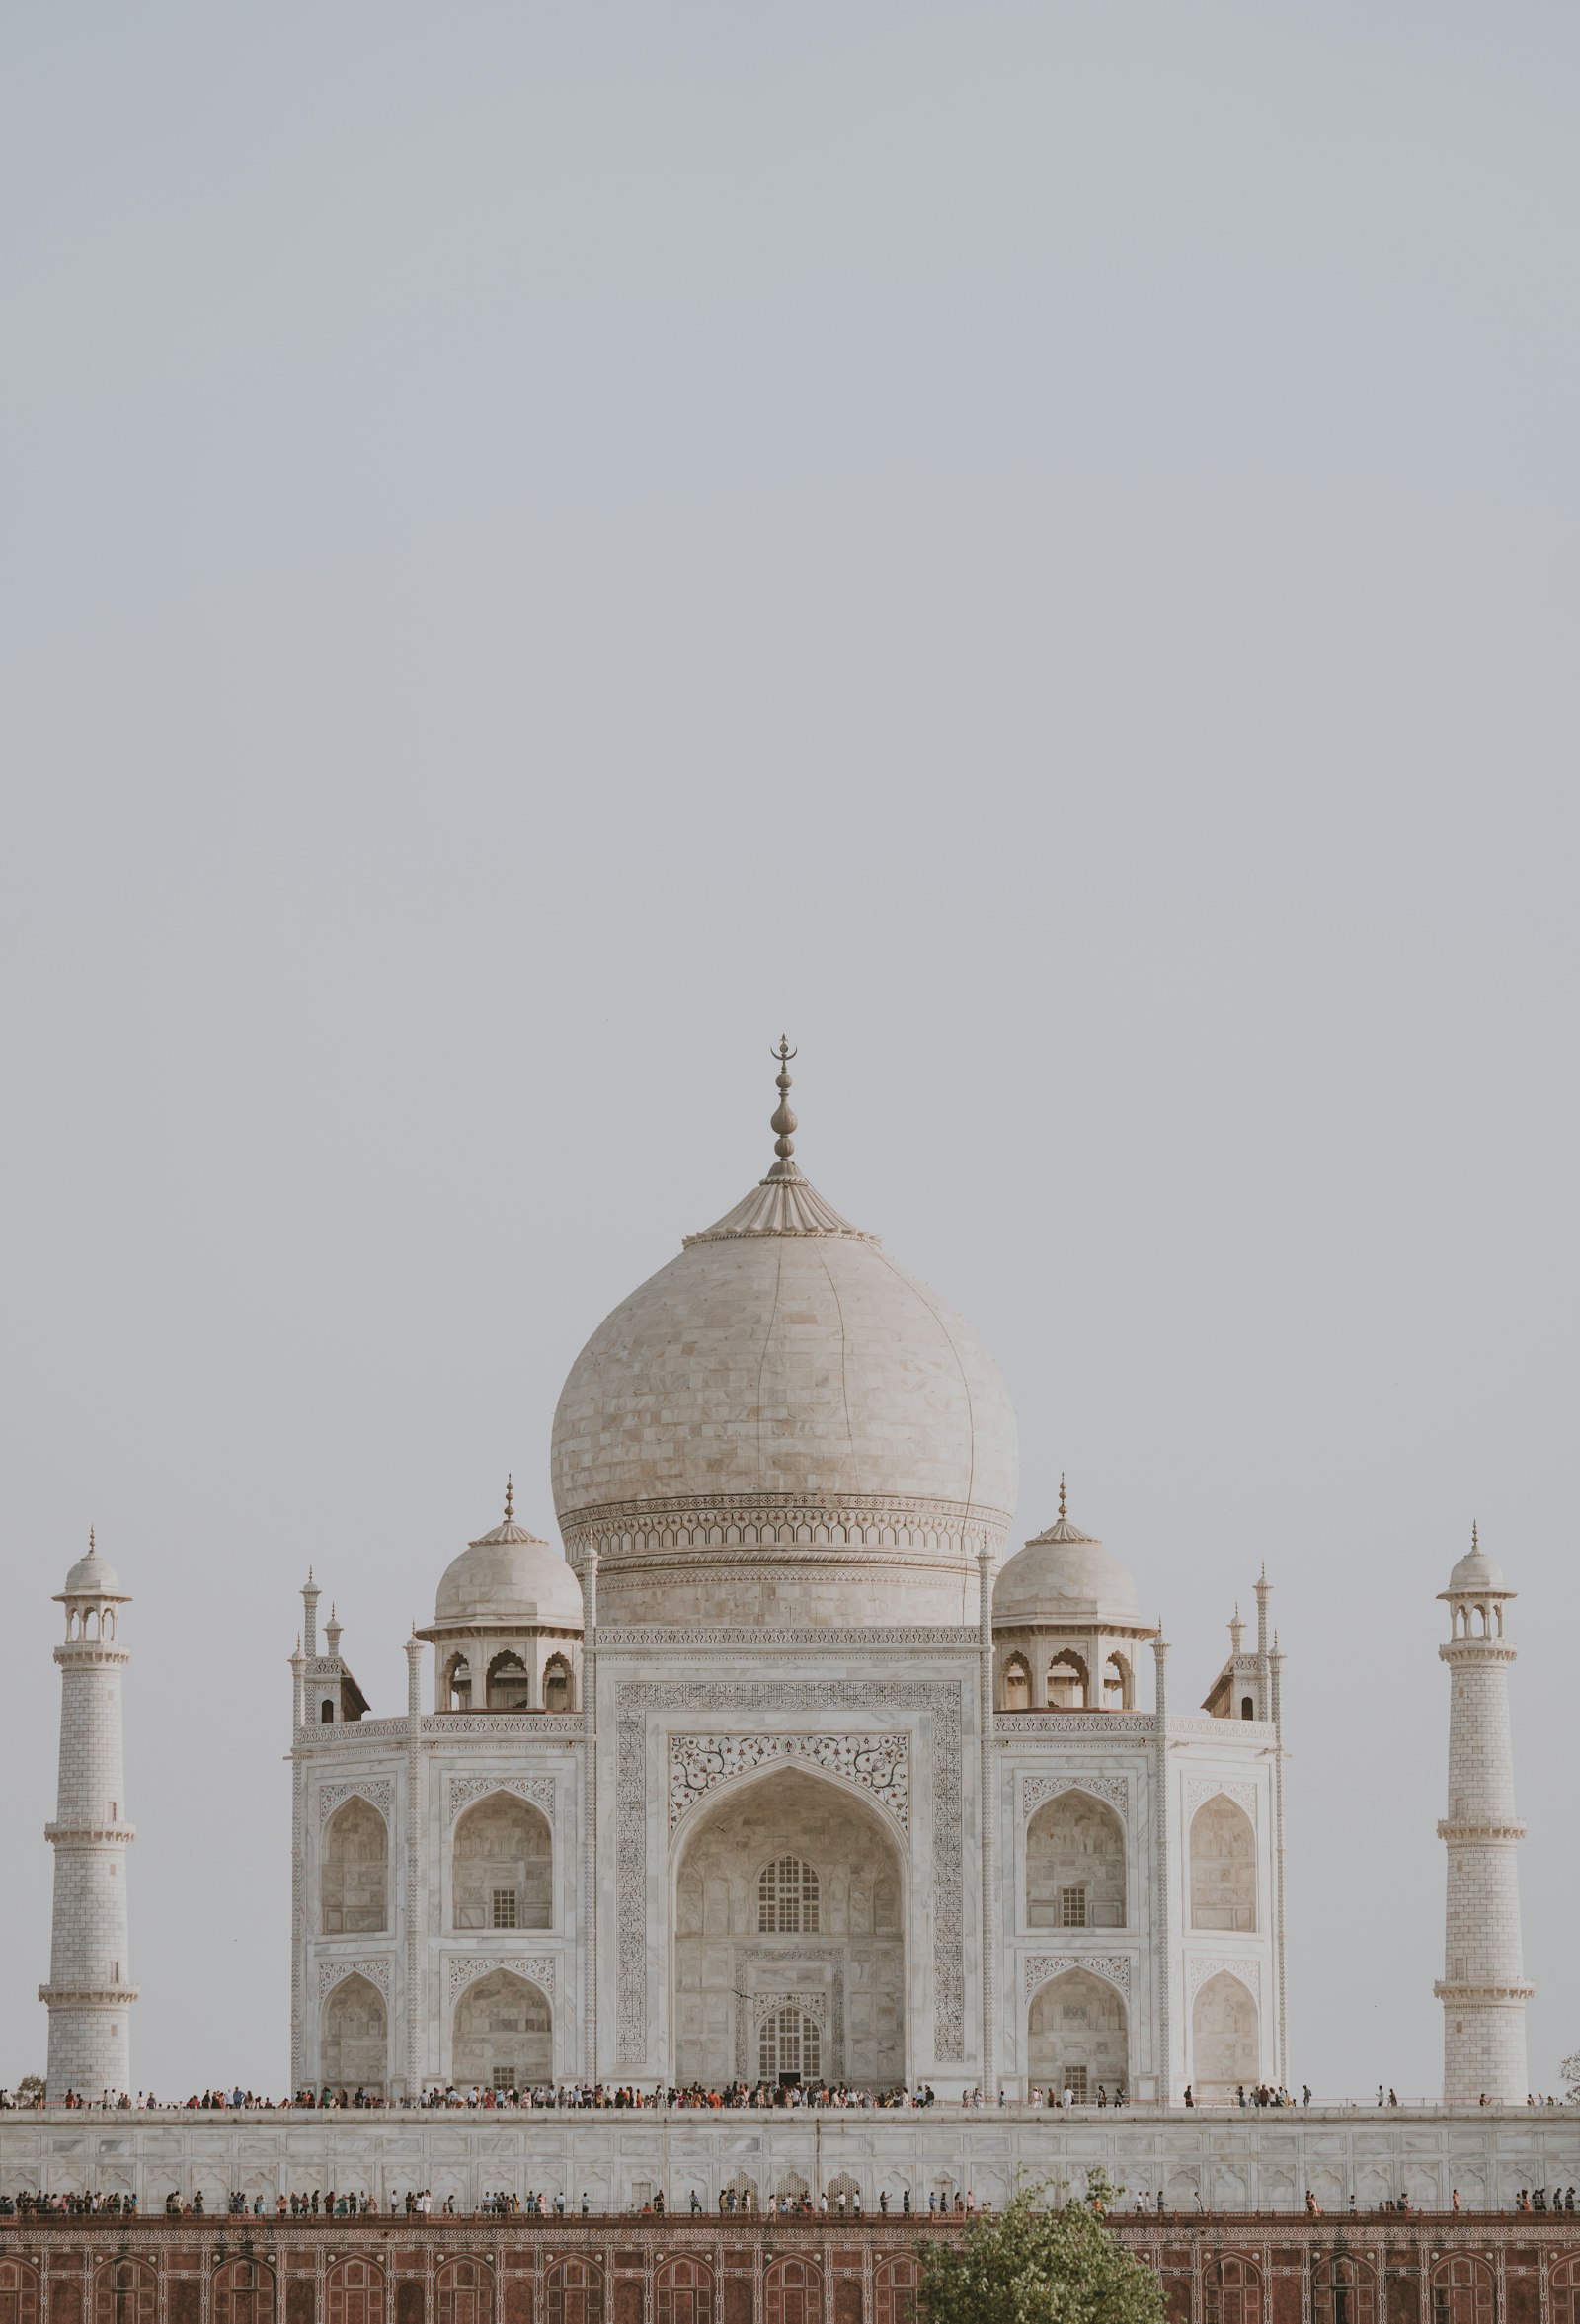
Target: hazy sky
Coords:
[[1032, 547]]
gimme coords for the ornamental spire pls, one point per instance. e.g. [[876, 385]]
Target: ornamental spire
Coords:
[[782, 1121], [1475, 1539], [1062, 1510], [510, 1497]]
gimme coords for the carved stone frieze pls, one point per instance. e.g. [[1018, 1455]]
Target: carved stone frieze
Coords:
[[378, 1969], [830, 2009], [828, 1699], [374, 1789], [1202, 1965], [1036, 1789], [880, 1764], [464, 1788], [463, 1969], [614, 1638], [1199, 1789], [1114, 1967], [699, 1531]]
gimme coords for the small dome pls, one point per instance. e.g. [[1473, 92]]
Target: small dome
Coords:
[[1475, 1570], [92, 1577], [508, 1575], [1065, 1579]]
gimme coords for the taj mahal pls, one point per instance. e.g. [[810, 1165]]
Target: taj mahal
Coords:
[[780, 1766]]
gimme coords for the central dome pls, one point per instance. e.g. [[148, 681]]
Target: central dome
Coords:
[[782, 1425]]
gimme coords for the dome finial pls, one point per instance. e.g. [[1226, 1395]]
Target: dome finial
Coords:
[[1063, 1509], [92, 1546], [782, 1121], [510, 1497], [1475, 1539]]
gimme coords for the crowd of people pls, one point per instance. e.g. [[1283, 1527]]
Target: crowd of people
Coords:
[[526, 2098]]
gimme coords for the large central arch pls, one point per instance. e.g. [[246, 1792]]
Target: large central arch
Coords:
[[789, 1900]]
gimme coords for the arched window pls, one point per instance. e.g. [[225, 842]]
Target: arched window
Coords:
[[557, 1684], [242, 2292], [353, 1882], [1017, 1684], [126, 2291], [355, 2291], [1079, 2036], [459, 1684], [506, 1683], [1247, 1708], [787, 1897], [464, 2293], [1344, 2291], [1068, 1682], [572, 2291], [1119, 1683], [326, 1712], [1074, 1865], [789, 2041], [1223, 1866], [1233, 2290], [1461, 2290], [682, 2292], [503, 1867]]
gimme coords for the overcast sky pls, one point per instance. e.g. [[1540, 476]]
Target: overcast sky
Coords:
[[1031, 547]]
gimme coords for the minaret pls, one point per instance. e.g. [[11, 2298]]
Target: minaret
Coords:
[[1482, 1989], [90, 1991]]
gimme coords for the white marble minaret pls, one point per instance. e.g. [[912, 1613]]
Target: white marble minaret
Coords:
[[1483, 1988], [90, 1991]]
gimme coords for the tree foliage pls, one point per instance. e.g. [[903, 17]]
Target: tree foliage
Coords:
[[1031, 2265], [1570, 2070]]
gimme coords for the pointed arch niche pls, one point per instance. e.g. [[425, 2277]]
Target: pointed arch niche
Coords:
[[1074, 1865], [353, 1883], [502, 1866], [353, 2044], [789, 1896]]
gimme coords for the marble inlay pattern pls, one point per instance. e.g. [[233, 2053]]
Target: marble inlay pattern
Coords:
[[464, 1969], [880, 1764], [463, 1789], [1114, 1966], [1037, 1788], [376, 1971]]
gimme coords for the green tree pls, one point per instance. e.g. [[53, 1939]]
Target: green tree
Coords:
[[1031, 2265], [30, 2089]]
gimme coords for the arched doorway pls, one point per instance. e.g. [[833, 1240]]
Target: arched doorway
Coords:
[[503, 2033], [353, 2052], [1226, 2039], [1079, 2036], [788, 1934]]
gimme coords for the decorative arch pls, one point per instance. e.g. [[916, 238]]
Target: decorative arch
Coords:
[[792, 2291], [125, 2292], [455, 1690], [1463, 2291], [508, 1683], [1223, 1850], [726, 1968], [1344, 2289], [19, 2292], [1232, 2289], [559, 1684], [503, 2036], [572, 2291], [1078, 2034], [502, 1865], [682, 2292], [1225, 2038], [242, 2292], [848, 2305], [354, 2040], [1069, 1682], [1076, 1864], [1119, 1682], [895, 2285], [1564, 2286], [354, 1878], [463, 2292], [354, 2292], [1015, 1687]]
